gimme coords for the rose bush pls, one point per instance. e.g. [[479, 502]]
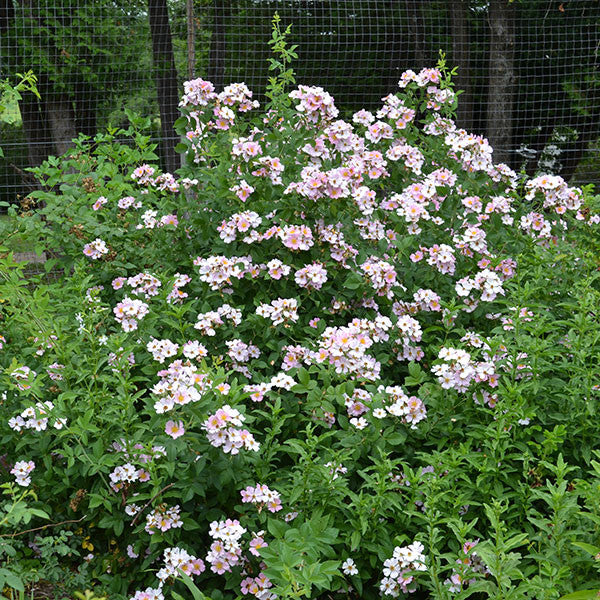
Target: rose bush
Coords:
[[315, 360]]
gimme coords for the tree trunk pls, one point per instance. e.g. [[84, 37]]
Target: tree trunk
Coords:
[[166, 79], [216, 60], [416, 34], [397, 46], [191, 39], [501, 79], [85, 101], [61, 121], [461, 57], [36, 130]]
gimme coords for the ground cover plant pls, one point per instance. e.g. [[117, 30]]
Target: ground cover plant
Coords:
[[328, 358]]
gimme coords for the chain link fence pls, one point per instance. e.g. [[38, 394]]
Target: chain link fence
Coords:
[[530, 69]]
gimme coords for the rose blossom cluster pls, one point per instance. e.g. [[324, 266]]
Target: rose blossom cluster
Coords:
[[536, 225], [127, 202], [100, 202], [21, 374], [315, 103], [54, 371], [180, 383], [177, 559], [21, 470], [296, 237], [262, 496], [142, 284], [222, 431], [458, 370], [282, 310], [486, 281], [269, 166], [424, 78], [257, 391], [381, 275], [208, 321], [125, 474], [96, 249], [258, 586], [148, 594], [397, 570], [340, 250], [129, 311], [162, 349], [238, 222], [242, 190], [373, 230], [143, 174], [36, 417], [245, 148], [410, 332], [555, 192], [357, 405], [345, 347], [440, 256], [410, 409], [276, 269], [311, 277], [226, 550], [218, 271], [240, 352], [163, 518]]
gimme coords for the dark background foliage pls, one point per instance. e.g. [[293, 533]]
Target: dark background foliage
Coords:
[[529, 69]]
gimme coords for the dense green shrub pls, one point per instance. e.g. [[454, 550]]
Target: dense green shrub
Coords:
[[326, 357]]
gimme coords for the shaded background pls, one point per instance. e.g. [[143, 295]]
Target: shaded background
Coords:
[[530, 69]]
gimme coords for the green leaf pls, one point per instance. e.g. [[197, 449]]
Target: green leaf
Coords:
[[277, 528], [593, 550], [303, 376], [582, 595], [9, 578], [196, 593]]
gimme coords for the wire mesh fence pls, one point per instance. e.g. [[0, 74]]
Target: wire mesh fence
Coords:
[[530, 69]]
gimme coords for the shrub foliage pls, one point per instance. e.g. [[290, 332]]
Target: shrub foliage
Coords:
[[329, 355]]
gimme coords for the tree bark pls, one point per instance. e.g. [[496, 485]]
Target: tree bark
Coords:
[[416, 34], [501, 79], [218, 49], [396, 44], [461, 57], [166, 79], [36, 130], [61, 122], [85, 101], [191, 39]]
